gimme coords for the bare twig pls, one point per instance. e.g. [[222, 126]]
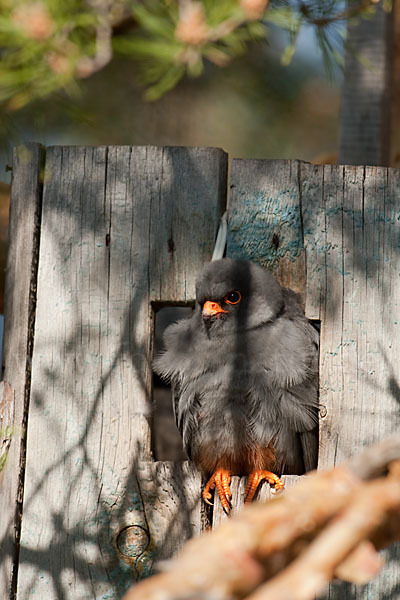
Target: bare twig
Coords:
[[375, 461], [89, 65], [316, 566]]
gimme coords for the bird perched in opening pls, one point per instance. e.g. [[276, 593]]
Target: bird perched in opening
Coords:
[[244, 372]]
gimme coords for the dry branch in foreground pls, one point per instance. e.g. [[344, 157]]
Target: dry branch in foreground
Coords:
[[330, 524]]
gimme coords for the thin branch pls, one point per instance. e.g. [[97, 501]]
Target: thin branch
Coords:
[[329, 524]]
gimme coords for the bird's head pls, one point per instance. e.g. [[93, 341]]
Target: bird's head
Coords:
[[233, 295]]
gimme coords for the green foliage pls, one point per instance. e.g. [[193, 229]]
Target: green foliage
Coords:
[[49, 45]]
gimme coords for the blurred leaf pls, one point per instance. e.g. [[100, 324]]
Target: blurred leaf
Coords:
[[165, 83], [195, 68], [283, 17], [141, 47], [156, 24], [257, 30], [287, 55]]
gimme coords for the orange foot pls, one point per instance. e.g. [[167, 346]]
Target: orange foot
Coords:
[[254, 481], [221, 480]]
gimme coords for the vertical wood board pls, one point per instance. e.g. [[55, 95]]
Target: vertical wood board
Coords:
[[350, 231], [19, 314], [121, 227], [358, 269]]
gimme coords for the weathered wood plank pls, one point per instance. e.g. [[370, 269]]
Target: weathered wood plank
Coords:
[[121, 227], [313, 191], [359, 339], [19, 315], [348, 218], [7, 423], [363, 406], [351, 228], [171, 492], [265, 221]]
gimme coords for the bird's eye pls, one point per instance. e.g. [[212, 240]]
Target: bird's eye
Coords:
[[233, 297]]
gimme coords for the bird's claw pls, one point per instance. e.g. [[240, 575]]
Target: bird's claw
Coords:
[[255, 479], [221, 480], [207, 497]]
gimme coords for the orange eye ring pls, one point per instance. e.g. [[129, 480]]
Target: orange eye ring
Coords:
[[233, 297]]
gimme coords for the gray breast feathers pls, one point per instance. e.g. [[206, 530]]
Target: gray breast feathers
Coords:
[[254, 387]]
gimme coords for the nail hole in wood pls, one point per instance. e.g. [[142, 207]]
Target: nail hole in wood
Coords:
[[171, 245], [275, 241]]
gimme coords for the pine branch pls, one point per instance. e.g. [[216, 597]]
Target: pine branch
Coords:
[[46, 48]]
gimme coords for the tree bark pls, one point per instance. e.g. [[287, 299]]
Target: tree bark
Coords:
[[364, 137]]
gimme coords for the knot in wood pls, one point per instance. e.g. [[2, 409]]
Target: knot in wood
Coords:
[[322, 411], [275, 241], [132, 541]]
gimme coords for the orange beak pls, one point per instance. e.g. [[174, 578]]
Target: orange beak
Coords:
[[212, 308]]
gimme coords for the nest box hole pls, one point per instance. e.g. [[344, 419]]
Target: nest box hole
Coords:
[[166, 439]]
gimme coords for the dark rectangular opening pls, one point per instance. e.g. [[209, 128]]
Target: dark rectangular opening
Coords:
[[166, 439]]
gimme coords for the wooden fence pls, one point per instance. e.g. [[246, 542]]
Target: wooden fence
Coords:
[[112, 234]]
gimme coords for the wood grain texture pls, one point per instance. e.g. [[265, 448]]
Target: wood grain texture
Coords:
[[171, 493], [121, 227], [18, 336], [359, 335], [265, 220], [359, 305], [7, 423], [350, 234]]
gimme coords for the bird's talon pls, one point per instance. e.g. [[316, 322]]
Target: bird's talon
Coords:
[[255, 479], [221, 480]]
